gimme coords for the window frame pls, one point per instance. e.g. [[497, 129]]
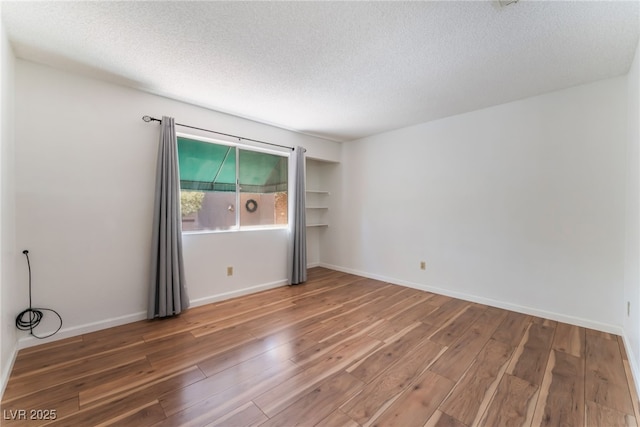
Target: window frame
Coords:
[[239, 146]]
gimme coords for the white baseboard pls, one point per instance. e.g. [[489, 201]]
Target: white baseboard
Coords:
[[245, 291], [7, 372], [635, 373], [586, 323], [29, 341]]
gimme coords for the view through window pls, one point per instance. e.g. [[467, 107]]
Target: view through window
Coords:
[[225, 187]]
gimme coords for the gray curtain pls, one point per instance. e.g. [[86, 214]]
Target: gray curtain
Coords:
[[167, 294], [298, 237]]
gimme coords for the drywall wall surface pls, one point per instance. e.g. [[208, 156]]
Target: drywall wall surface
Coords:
[[257, 258], [520, 205], [632, 255], [9, 296], [85, 170]]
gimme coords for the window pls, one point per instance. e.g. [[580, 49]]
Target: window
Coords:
[[224, 187]]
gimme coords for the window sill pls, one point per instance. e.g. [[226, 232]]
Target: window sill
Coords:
[[236, 230]]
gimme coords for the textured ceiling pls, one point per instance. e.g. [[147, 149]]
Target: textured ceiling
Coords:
[[339, 70]]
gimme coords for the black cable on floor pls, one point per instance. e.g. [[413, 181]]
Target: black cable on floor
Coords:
[[33, 314]]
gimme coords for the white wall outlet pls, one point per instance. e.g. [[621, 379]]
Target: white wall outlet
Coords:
[[229, 271], [423, 265]]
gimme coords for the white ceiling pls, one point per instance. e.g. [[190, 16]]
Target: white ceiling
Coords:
[[339, 70]]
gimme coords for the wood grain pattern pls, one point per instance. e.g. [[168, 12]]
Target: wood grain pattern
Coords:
[[530, 358], [414, 313], [512, 328], [473, 392], [337, 418], [280, 396], [319, 402], [247, 415], [457, 326], [512, 405], [569, 339], [418, 402], [340, 350], [383, 357], [599, 415], [561, 399], [456, 360], [605, 378], [409, 298], [440, 419], [388, 385], [444, 312]]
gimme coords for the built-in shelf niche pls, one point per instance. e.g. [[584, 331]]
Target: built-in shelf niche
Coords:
[[320, 208], [317, 194], [317, 207]]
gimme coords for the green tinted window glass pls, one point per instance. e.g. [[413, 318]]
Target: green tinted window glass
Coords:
[[205, 166], [262, 172]]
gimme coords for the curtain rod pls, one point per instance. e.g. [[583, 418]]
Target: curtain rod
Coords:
[[153, 119]]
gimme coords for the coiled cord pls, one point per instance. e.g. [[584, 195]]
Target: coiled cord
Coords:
[[34, 314]]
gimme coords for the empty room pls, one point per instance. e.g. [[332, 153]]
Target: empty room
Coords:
[[325, 213]]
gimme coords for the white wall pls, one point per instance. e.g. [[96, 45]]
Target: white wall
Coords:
[[85, 165], [632, 254], [9, 300], [520, 205]]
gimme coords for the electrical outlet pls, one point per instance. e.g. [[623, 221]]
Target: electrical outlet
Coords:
[[423, 265], [229, 271]]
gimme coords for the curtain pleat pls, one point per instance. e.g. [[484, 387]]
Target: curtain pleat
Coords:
[[167, 293], [298, 236]]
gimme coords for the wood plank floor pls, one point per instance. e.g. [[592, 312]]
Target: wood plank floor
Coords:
[[340, 350]]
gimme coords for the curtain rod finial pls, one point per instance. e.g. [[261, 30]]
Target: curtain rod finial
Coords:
[[146, 118]]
